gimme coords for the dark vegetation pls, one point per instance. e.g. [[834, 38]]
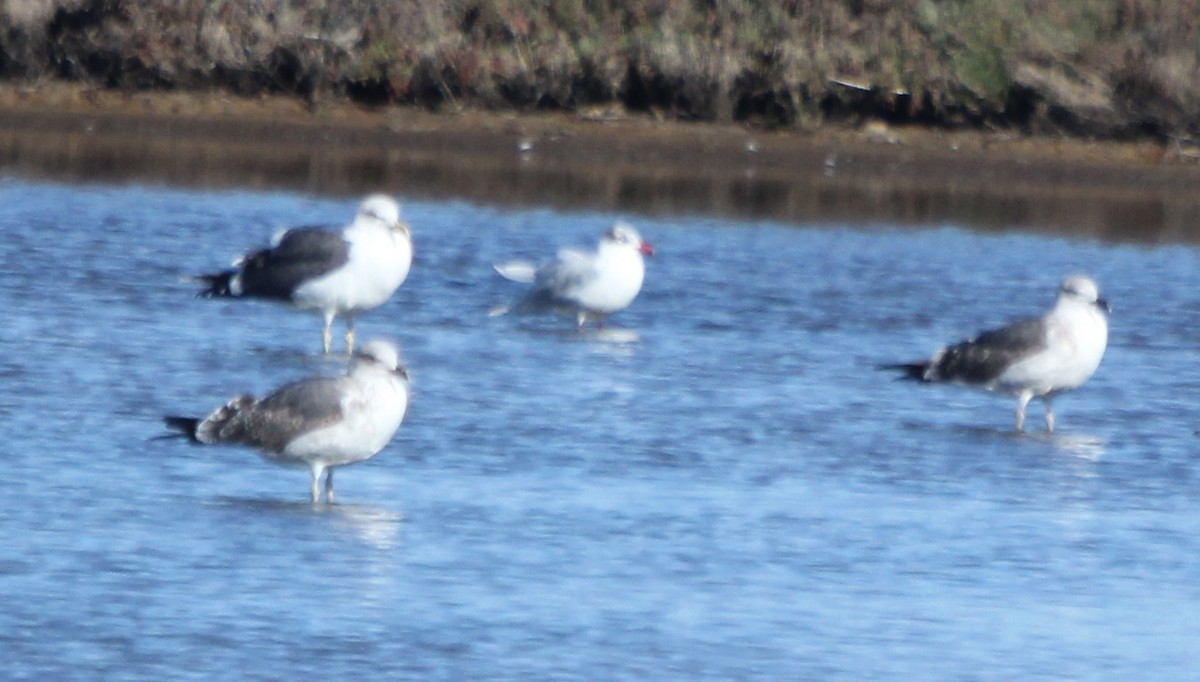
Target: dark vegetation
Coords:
[[1117, 69]]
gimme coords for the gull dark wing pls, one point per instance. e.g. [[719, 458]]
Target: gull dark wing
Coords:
[[292, 410], [270, 423], [302, 254], [979, 360], [985, 357]]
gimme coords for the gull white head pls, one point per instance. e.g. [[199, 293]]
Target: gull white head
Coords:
[[1083, 289], [623, 234], [381, 353], [383, 209]]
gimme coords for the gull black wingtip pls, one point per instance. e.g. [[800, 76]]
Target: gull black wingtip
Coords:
[[909, 371]]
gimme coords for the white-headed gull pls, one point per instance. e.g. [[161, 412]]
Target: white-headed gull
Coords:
[[1036, 357], [584, 285], [336, 272], [318, 423]]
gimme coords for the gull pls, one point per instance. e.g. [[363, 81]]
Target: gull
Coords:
[[588, 286], [320, 422], [1038, 357], [336, 272]]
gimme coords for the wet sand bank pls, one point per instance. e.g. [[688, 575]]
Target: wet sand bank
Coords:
[[1140, 192]]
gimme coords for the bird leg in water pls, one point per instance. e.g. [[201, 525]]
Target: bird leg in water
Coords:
[[329, 486], [1022, 402], [1049, 416], [349, 336], [316, 488], [327, 332]]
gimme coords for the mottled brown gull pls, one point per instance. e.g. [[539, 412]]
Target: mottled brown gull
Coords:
[[318, 423]]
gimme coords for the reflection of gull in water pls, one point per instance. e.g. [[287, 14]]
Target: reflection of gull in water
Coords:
[[337, 272], [616, 338], [1036, 357], [378, 567], [319, 423], [379, 528], [1090, 448]]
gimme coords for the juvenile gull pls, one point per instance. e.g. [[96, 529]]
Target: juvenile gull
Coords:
[[337, 272], [320, 422], [584, 285], [1036, 357]]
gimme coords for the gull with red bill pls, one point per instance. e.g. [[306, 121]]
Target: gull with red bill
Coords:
[[586, 286]]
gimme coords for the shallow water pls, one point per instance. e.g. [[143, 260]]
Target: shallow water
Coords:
[[722, 488]]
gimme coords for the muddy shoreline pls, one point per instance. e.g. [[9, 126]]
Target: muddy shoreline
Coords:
[[605, 161]]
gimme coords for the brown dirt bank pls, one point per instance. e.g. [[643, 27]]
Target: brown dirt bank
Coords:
[[909, 175]]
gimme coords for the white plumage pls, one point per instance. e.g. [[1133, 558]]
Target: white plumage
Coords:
[[335, 272], [587, 286]]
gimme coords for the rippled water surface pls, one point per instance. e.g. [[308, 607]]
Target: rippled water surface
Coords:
[[723, 488]]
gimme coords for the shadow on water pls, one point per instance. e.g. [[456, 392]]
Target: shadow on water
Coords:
[[785, 178], [541, 325], [616, 336]]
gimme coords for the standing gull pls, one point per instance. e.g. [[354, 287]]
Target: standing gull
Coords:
[[344, 272], [320, 422], [1036, 357], [584, 285]]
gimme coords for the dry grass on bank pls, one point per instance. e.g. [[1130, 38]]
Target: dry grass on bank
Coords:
[[1115, 68]]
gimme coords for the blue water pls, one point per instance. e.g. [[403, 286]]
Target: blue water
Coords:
[[723, 489]]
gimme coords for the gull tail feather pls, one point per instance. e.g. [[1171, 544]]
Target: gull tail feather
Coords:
[[216, 285], [182, 427]]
